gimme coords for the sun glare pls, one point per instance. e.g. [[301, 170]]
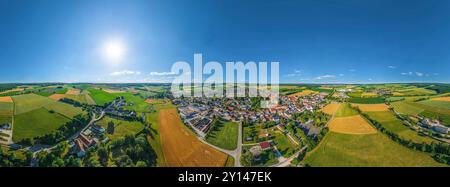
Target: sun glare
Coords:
[[114, 51]]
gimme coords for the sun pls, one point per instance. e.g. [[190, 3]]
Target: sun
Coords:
[[114, 50]]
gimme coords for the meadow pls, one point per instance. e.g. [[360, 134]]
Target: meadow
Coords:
[[406, 108], [284, 144], [344, 150], [224, 135], [436, 103], [345, 110], [101, 97], [35, 123], [121, 127], [29, 102], [388, 120]]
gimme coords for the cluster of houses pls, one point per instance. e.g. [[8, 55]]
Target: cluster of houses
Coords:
[[88, 138], [200, 112], [433, 125]]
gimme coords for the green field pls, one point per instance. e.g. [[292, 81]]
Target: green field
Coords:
[[403, 107], [365, 150], [121, 127], [416, 91], [284, 144], [225, 136], [437, 104], [393, 99], [5, 119], [345, 110], [36, 123], [391, 123], [136, 102], [4, 106], [29, 102], [101, 97], [154, 138], [65, 109], [366, 100]]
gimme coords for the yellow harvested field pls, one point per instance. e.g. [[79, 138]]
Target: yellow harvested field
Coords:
[[441, 99], [351, 125], [303, 93], [73, 92], [113, 91], [369, 94], [181, 148], [331, 108], [397, 94], [6, 99], [57, 97], [372, 107]]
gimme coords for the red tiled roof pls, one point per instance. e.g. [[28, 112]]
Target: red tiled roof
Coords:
[[264, 145]]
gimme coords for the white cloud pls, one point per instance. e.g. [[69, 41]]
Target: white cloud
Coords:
[[324, 77], [125, 72], [296, 73], [352, 70], [341, 75], [419, 74], [392, 67]]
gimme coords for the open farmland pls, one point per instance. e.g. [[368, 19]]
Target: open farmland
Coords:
[[376, 150], [36, 123], [405, 108], [65, 109], [366, 100], [441, 99], [29, 102], [388, 120], [137, 103], [224, 135], [436, 103], [121, 127], [331, 108], [101, 97], [345, 110], [181, 147], [6, 99], [372, 107], [303, 93], [351, 125]]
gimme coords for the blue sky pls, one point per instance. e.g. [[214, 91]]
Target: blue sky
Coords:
[[315, 41]]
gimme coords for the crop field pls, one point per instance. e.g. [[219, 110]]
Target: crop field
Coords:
[[366, 100], [6, 99], [433, 112], [405, 108], [36, 123], [416, 91], [5, 119], [372, 107], [73, 91], [351, 125], [225, 136], [369, 94], [376, 150], [331, 108], [393, 99], [121, 127], [64, 109], [101, 97], [345, 110], [181, 147], [391, 123], [29, 102], [303, 93], [441, 99], [436, 103]]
